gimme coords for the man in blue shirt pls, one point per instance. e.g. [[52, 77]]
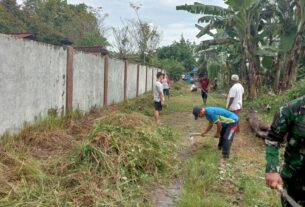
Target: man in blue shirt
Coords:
[[226, 122]]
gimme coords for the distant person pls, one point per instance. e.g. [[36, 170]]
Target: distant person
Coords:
[[166, 85], [193, 87], [288, 127], [226, 122], [158, 97], [204, 86], [235, 97]]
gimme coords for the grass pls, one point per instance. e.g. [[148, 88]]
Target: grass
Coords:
[[276, 101], [103, 158], [241, 183]]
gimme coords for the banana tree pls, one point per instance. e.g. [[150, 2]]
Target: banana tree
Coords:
[[292, 17], [238, 24]]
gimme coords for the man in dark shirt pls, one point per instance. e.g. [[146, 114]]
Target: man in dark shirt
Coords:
[[204, 86]]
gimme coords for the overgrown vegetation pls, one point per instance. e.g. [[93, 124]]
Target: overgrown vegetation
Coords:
[[105, 158], [268, 104]]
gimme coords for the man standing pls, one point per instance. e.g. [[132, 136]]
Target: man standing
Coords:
[[235, 97], [226, 122], [204, 86], [166, 85], [158, 97], [288, 124]]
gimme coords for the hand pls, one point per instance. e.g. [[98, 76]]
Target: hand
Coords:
[[273, 180], [162, 103], [203, 134]]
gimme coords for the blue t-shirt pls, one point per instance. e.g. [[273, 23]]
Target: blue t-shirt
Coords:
[[215, 114]]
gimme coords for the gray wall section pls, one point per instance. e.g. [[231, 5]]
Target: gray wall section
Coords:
[[88, 81], [132, 81], [116, 81], [142, 79], [149, 79], [32, 80]]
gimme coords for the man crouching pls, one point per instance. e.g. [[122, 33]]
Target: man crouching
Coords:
[[226, 122]]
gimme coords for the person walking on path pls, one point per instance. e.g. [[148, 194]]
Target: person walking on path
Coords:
[[158, 97], [235, 97], [288, 125], [226, 122], [204, 86], [166, 85]]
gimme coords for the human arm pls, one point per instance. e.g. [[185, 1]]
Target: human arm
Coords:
[[276, 134], [210, 126], [218, 124], [231, 99], [160, 91]]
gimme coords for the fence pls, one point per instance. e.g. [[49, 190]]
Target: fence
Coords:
[[35, 77]]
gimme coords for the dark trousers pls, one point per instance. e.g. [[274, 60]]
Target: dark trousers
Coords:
[[226, 138], [204, 95]]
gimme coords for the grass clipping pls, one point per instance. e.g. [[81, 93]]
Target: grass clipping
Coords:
[[109, 168], [126, 147]]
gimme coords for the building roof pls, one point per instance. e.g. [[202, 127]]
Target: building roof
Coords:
[[22, 35]]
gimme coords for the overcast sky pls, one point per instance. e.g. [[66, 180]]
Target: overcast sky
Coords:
[[161, 13]]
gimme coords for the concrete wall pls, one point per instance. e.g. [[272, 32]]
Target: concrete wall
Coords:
[[32, 80], [142, 79], [149, 79], [132, 81], [88, 81], [116, 81]]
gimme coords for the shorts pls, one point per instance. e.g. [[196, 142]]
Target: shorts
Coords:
[[166, 92], [158, 106]]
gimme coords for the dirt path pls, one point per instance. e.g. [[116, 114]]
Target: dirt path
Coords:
[[183, 122]]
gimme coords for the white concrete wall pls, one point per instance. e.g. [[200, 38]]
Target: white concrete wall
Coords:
[[32, 80], [149, 79], [116, 81], [88, 81], [142, 79], [132, 81]]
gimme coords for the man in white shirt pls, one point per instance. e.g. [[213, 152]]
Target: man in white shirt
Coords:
[[235, 97], [158, 97]]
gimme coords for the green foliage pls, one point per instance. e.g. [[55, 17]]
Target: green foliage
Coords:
[[176, 58], [276, 101], [53, 21]]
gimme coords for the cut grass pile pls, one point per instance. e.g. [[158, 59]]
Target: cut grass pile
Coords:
[[106, 158]]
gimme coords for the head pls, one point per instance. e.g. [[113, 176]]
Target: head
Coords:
[[159, 75], [234, 78], [198, 111]]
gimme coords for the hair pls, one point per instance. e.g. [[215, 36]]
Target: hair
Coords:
[[159, 74]]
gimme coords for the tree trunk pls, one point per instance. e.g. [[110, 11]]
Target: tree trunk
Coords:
[[277, 76], [257, 125], [243, 69], [252, 70], [294, 57]]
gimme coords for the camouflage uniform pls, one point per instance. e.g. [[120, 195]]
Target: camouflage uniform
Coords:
[[289, 124]]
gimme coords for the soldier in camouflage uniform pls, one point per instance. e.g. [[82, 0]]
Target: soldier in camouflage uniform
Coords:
[[288, 123]]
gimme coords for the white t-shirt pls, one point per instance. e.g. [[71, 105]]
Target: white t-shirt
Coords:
[[165, 84], [236, 92], [158, 88]]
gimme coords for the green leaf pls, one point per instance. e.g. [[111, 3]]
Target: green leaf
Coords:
[[267, 62], [199, 8]]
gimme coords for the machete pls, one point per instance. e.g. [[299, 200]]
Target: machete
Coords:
[[285, 195]]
